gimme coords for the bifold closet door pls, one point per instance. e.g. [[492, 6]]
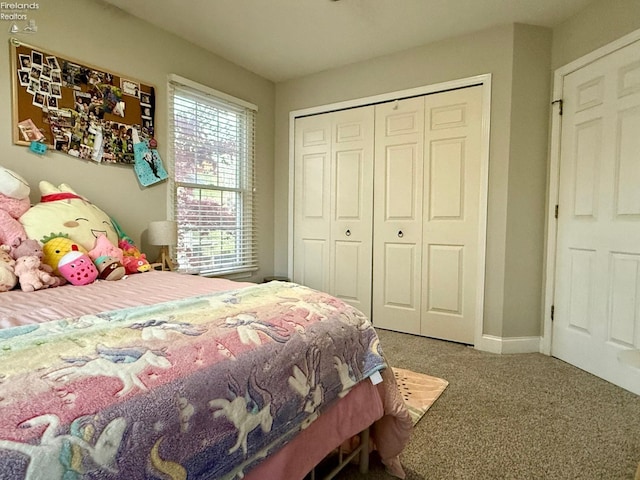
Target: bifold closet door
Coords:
[[453, 129], [398, 190], [333, 204]]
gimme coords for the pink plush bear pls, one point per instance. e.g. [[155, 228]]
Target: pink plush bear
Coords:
[[14, 201], [30, 247], [31, 278]]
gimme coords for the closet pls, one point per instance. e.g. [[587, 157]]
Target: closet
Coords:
[[386, 210]]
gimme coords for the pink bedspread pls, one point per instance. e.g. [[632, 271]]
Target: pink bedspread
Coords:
[[359, 408]]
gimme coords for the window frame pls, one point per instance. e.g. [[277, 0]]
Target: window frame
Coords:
[[246, 249]]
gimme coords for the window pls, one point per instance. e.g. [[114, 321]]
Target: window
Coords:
[[211, 139]]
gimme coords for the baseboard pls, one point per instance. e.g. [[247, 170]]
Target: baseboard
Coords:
[[493, 344]]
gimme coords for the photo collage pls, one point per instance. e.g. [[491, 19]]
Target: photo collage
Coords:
[[81, 107]]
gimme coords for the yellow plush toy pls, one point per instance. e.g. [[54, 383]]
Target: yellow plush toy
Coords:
[[62, 210]]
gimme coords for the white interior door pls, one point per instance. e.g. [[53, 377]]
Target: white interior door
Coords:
[[597, 290], [333, 204], [351, 206], [312, 194], [397, 251], [452, 158]]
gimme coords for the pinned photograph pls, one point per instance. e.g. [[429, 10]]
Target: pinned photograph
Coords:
[[25, 61], [45, 86], [46, 71], [23, 77], [53, 63], [56, 76], [39, 99], [129, 87], [34, 86], [145, 99], [29, 131], [61, 143], [52, 102], [36, 72], [56, 90], [36, 58]]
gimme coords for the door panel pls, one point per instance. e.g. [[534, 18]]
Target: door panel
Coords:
[[597, 292], [312, 202], [451, 226], [352, 204], [398, 215], [333, 176]]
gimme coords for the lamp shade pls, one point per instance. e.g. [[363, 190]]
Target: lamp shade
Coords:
[[163, 232]]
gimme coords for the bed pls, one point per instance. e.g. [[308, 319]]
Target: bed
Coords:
[[167, 375]]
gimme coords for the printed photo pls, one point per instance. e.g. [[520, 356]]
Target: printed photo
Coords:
[[36, 72], [36, 58], [145, 99], [129, 87], [52, 103], [45, 86], [82, 101], [34, 86], [61, 143], [72, 74], [25, 61], [23, 76], [56, 90], [53, 63], [56, 76], [146, 111], [46, 71], [39, 99], [29, 131]]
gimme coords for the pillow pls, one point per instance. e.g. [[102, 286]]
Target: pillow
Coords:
[[62, 210]]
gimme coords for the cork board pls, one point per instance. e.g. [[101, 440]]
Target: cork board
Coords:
[[78, 109]]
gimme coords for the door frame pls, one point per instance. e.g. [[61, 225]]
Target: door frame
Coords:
[[482, 80], [554, 176]]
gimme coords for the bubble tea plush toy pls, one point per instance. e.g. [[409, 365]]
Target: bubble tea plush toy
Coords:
[[77, 268]]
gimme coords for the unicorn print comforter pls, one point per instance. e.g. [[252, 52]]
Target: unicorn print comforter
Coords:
[[202, 387]]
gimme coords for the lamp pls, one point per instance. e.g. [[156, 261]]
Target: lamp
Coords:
[[163, 233]]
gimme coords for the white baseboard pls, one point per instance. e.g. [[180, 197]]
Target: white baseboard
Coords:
[[492, 344]]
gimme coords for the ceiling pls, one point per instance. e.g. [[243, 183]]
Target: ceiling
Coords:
[[284, 39]]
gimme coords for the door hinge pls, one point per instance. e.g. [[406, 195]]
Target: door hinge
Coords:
[[560, 102], [553, 309], [556, 214]]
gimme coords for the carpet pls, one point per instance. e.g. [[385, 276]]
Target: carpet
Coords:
[[419, 391]]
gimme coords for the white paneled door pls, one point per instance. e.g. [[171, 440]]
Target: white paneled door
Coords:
[[597, 295], [333, 204], [452, 160], [397, 237]]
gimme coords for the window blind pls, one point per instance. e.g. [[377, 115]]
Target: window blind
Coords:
[[212, 180]]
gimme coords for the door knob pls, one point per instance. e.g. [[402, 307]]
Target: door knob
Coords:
[[348, 233], [400, 234]]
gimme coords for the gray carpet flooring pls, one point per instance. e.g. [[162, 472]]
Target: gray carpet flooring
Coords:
[[524, 416]]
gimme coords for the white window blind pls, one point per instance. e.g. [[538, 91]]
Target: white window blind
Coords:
[[212, 182]]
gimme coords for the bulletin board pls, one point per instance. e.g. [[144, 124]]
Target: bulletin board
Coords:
[[76, 108]]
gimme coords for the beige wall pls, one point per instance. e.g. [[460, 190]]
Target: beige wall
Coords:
[[521, 59], [602, 22], [490, 51], [98, 34]]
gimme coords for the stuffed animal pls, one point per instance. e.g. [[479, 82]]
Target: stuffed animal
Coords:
[[8, 278], [61, 209], [56, 246], [136, 264], [110, 268], [103, 248], [14, 202], [30, 276], [78, 268], [32, 247]]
